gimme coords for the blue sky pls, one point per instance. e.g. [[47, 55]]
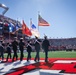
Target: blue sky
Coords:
[[61, 15]]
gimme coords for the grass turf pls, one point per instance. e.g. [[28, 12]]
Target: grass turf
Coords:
[[51, 54]]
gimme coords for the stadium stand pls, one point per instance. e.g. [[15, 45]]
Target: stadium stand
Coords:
[[4, 21], [67, 44]]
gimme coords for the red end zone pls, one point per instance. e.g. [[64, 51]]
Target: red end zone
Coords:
[[60, 65]]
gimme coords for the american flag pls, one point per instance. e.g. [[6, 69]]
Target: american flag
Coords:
[[42, 22]]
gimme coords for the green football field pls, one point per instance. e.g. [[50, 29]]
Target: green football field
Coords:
[[51, 54]]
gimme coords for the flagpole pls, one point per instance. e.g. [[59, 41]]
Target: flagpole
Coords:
[[9, 33], [38, 19], [17, 30], [30, 25], [22, 29], [30, 22]]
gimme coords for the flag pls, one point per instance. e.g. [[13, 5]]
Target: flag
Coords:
[[11, 27], [34, 31], [26, 30], [17, 26], [42, 22]]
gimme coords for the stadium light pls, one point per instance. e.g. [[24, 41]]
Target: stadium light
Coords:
[[4, 7]]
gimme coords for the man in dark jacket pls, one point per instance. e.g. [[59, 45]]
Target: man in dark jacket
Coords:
[[29, 50], [21, 47], [45, 46], [1, 51], [37, 48], [14, 45], [8, 51]]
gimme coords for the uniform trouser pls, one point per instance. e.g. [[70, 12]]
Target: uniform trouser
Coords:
[[29, 56], [2, 55], [9, 55], [15, 55], [37, 55], [21, 56], [46, 54]]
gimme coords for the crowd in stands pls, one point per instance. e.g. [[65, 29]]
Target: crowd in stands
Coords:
[[67, 44]]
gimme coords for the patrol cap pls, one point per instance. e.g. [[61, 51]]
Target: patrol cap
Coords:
[[28, 41], [15, 37], [36, 37], [7, 43], [21, 38], [1, 41], [45, 36]]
